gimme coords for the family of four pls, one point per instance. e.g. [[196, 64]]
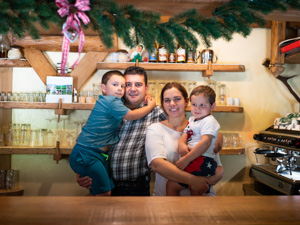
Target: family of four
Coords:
[[125, 139]]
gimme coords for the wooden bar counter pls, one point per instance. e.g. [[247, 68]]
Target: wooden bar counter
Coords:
[[239, 210]]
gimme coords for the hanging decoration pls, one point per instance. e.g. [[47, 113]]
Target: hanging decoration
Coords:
[[71, 29], [135, 26]]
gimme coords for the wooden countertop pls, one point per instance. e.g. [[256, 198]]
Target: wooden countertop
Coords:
[[238, 210]]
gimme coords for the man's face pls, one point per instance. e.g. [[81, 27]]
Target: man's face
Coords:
[[135, 90]]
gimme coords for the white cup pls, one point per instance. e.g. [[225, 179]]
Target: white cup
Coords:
[[229, 101], [236, 102]]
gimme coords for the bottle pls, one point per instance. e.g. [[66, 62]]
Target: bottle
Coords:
[[191, 56], [153, 54], [75, 96], [172, 57], [222, 93], [162, 54], [181, 56], [4, 45]]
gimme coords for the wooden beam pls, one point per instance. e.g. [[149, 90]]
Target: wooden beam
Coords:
[[5, 114], [204, 7], [54, 43], [86, 68], [39, 63], [277, 58]]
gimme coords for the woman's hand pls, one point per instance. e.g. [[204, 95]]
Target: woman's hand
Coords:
[[183, 162], [200, 184], [85, 182]]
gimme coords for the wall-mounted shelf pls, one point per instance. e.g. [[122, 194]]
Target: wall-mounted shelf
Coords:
[[8, 150], [233, 151], [173, 67], [86, 106], [293, 59], [14, 63], [33, 150]]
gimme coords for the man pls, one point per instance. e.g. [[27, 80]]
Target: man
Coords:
[[128, 162]]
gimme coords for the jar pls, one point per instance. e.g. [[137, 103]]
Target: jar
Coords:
[[172, 58], [162, 54], [4, 45], [14, 53], [153, 54], [191, 58], [222, 93], [181, 57]]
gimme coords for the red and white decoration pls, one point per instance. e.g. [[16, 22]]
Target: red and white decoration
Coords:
[[72, 27]]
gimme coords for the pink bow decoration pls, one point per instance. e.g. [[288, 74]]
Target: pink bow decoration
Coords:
[[72, 27]]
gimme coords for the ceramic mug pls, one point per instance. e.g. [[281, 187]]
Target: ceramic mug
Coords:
[[208, 55]]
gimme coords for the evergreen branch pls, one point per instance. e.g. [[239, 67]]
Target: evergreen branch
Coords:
[[144, 27]]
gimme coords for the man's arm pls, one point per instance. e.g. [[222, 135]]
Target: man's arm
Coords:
[[85, 182]]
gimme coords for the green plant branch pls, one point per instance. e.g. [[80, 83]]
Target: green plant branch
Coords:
[[136, 26]]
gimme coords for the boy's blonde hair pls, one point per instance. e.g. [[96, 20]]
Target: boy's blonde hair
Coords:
[[206, 90]]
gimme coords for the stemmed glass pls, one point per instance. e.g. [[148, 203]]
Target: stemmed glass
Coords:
[[50, 135]]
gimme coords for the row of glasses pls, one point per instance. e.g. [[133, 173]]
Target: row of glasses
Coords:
[[231, 140], [22, 97], [155, 87], [23, 135]]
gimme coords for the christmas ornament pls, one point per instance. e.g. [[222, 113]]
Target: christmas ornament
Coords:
[[72, 27]]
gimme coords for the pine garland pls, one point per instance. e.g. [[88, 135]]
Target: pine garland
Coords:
[[136, 26]]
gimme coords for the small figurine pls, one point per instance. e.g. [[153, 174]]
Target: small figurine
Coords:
[[137, 54]]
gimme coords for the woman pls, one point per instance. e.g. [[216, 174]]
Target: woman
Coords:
[[162, 145]]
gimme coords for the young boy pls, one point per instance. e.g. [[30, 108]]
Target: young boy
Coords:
[[196, 145], [88, 156]]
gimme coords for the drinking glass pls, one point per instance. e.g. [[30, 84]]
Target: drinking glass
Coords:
[[33, 138], [235, 140]]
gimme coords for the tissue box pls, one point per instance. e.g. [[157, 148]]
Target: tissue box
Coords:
[[59, 87]]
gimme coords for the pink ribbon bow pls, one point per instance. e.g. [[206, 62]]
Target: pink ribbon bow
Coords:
[[75, 12]]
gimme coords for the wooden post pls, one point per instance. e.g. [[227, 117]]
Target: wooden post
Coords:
[[277, 58], [5, 114]]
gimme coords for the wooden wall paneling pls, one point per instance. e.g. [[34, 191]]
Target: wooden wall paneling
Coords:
[[39, 63], [5, 114], [86, 68], [54, 44]]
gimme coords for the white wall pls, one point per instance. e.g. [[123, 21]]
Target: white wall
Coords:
[[263, 97]]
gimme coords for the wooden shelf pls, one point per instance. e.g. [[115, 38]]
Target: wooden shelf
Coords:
[[173, 67], [44, 105], [232, 151], [14, 63], [86, 106], [4, 150], [293, 59], [224, 108], [8, 150]]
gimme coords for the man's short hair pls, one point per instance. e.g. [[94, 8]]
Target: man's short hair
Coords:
[[136, 70], [109, 74]]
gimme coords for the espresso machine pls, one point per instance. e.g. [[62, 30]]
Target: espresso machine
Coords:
[[280, 172]]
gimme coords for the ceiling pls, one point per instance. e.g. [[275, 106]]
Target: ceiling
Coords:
[[205, 7]]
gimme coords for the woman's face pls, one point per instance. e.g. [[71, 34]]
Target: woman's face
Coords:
[[174, 103]]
